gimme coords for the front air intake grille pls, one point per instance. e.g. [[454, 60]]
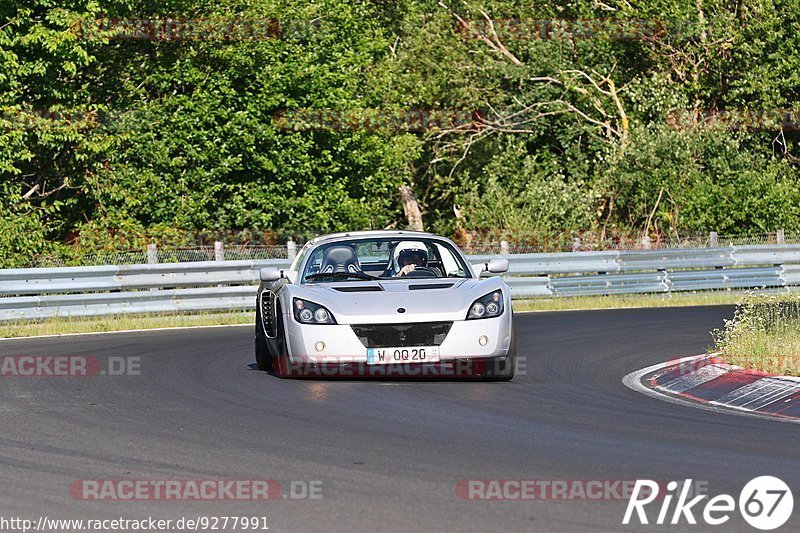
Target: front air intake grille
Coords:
[[268, 313], [398, 335]]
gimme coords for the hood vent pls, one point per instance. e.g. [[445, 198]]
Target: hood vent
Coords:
[[430, 286], [364, 288]]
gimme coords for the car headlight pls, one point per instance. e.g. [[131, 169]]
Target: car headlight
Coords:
[[488, 306], [307, 312]]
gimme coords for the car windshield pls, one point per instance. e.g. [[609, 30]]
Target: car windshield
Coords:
[[386, 258]]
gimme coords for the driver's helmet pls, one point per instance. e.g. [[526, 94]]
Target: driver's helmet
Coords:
[[408, 252]]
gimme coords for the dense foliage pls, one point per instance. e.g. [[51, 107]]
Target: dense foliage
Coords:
[[114, 135]]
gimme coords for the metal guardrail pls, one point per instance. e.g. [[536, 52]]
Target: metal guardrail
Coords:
[[35, 293], [656, 271]]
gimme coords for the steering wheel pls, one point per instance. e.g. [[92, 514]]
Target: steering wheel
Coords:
[[421, 272]]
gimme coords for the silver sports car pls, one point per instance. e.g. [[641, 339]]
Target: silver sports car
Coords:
[[371, 301]]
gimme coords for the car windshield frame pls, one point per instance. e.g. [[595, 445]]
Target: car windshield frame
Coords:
[[455, 252]]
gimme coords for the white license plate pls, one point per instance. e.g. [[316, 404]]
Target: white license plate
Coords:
[[415, 354]]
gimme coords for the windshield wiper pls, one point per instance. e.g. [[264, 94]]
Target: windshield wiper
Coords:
[[342, 275]]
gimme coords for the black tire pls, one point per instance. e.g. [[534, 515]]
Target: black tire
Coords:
[[263, 357], [502, 368]]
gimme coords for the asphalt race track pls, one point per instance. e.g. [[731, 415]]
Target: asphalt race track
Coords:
[[389, 454]]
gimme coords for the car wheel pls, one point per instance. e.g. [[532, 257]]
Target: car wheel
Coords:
[[263, 357], [502, 368]]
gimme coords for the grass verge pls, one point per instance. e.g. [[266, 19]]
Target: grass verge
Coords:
[[58, 326], [629, 301], [764, 335]]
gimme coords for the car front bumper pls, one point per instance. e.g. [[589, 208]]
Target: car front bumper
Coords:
[[341, 345]]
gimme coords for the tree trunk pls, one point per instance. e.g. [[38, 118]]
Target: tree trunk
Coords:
[[411, 208]]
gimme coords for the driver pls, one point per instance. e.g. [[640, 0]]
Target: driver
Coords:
[[408, 255]]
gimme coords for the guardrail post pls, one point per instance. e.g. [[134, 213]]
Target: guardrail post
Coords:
[[576, 244], [152, 256], [504, 248], [781, 236], [219, 251], [291, 249], [646, 242], [713, 239]]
